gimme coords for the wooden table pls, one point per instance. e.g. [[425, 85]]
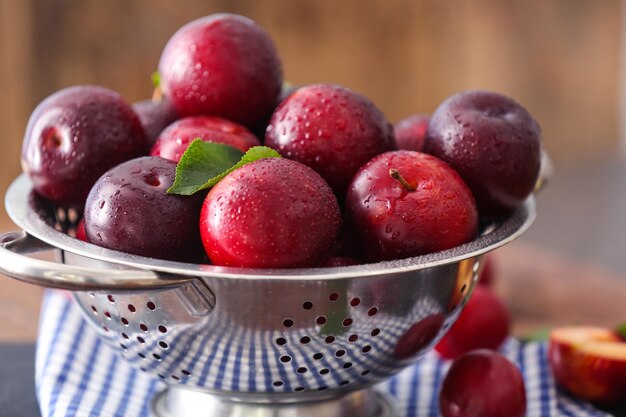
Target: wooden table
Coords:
[[542, 289]]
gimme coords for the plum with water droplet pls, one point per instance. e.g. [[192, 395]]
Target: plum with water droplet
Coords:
[[177, 137], [223, 65], [129, 210], [154, 116], [271, 213], [492, 142], [405, 203], [74, 136], [330, 129], [410, 132]]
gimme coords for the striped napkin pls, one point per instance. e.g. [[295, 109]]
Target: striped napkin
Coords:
[[78, 375]]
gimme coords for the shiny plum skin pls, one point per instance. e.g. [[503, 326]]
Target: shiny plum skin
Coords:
[[484, 323], [483, 383], [74, 136], [177, 137], [129, 210], [330, 129], [155, 116], [223, 65], [492, 142], [410, 132], [390, 222], [272, 213]]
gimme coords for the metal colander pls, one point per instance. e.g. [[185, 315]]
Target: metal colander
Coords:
[[231, 341]]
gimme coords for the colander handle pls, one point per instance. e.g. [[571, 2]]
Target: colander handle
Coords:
[[13, 262]]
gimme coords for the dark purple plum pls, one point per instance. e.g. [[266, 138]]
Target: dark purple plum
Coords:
[[74, 136], [492, 142], [223, 65], [410, 132], [155, 116], [129, 210], [330, 129]]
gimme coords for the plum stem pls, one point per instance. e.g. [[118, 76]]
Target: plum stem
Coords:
[[395, 174]]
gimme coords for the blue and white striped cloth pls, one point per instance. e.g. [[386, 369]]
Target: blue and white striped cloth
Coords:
[[78, 375]]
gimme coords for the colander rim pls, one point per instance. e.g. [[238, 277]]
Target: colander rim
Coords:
[[18, 203]]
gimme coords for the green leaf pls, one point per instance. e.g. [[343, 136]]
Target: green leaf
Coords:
[[204, 164], [155, 77], [621, 331]]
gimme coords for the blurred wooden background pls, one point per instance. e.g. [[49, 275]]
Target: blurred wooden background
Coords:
[[558, 58]]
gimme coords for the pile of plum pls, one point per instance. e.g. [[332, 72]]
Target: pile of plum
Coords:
[[343, 187]]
